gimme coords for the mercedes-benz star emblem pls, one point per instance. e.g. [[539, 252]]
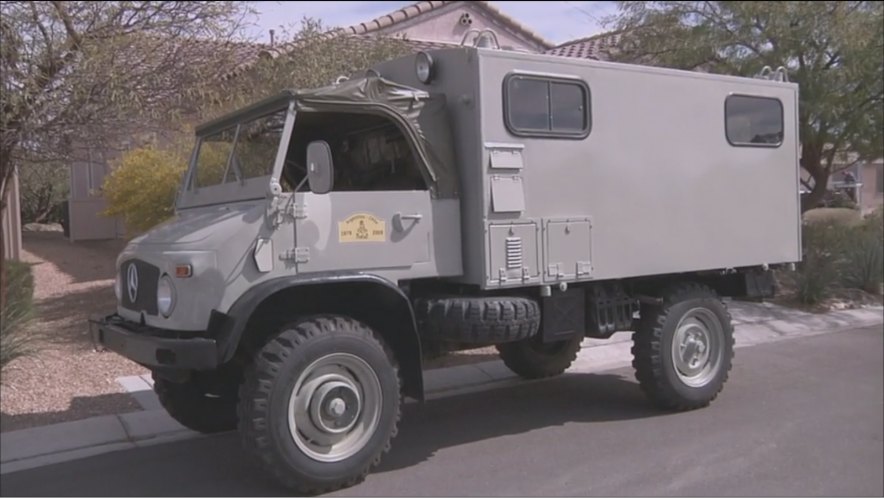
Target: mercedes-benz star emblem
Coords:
[[132, 282]]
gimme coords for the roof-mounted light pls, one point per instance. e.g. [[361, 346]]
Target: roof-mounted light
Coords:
[[423, 66]]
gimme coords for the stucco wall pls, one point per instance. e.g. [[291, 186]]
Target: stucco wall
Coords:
[[872, 178], [11, 222], [444, 25]]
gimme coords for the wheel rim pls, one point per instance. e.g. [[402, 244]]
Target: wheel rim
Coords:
[[697, 347], [335, 407]]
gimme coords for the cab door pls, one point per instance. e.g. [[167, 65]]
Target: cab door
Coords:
[[362, 230]]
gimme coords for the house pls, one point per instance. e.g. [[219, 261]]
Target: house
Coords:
[[863, 182]]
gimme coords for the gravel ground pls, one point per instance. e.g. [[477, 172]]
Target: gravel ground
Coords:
[[67, 380]]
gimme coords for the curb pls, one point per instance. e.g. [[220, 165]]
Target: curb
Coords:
[[36, 447]]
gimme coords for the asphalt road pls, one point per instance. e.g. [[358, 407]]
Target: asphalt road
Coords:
[[799, 417]]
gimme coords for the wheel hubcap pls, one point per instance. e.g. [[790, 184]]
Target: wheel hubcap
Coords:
[[335, 407], [697, 347]]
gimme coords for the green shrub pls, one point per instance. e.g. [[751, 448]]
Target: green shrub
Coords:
[[142, 188], [15, 339], [817, 274], [861, 265]]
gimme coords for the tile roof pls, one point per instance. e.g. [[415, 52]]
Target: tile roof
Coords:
[[598, 47], [416, 9]]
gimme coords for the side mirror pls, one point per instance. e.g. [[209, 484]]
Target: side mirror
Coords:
[[320, 169]]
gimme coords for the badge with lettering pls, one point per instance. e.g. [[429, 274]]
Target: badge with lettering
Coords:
[[362, 227]]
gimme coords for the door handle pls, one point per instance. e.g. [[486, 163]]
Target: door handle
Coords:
[[399, 217]]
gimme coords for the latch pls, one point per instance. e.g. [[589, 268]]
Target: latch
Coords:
[[584, 268], [555, 270]]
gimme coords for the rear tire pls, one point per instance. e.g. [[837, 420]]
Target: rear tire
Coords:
[[320, 404], [683, 349], [532, 359]]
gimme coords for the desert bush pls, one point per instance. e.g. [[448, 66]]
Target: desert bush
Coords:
[[817, 273], [15, 339], [142, 187], [861, 265], [839, 252]]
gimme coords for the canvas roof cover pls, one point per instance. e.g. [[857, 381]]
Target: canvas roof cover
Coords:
[[420, 115]]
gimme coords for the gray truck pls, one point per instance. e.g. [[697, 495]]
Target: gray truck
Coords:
[[454, 199]]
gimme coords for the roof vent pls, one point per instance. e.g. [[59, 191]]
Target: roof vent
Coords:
[[465, 19]]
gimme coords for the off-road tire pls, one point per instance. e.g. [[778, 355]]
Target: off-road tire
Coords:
[[652, 348], [532, 359], [194, 408], [478, 320], [267, 386]]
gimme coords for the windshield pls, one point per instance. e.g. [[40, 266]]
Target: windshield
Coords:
[[238, 153]]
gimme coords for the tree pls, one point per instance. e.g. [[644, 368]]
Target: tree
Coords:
[[142, 187], [833, 50], [74, 73], [310, 56]]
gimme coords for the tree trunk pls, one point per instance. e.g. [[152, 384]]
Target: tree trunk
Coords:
[[3, 206], [811, 161], [811, 200]]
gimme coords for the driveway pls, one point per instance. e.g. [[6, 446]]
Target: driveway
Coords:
[[798, 417]]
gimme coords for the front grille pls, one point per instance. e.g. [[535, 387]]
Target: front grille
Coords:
[[146, 276]]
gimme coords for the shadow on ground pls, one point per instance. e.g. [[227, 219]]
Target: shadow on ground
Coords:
[[81, 407], [216, 466], [83, 261], [63, 319]]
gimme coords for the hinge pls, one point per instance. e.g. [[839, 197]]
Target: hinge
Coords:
[[502, 274], [298, 255], [298, 211], [584, 268]]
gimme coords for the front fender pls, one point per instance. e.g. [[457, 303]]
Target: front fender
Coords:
[[374, 300]]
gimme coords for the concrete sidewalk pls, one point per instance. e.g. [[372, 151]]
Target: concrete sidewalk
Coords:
[[754, 324]]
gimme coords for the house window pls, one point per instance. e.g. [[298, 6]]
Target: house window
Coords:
[[546, 106], [753, 121]]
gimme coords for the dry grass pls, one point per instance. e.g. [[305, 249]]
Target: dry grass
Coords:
[[840, 216]]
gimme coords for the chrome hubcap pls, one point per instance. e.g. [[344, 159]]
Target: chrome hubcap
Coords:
[[697, 347], [335, 407]]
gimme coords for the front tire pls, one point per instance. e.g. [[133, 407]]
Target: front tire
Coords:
[[196, 407], [683, 349], [320, 404]]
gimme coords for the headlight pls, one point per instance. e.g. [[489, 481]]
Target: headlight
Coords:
[[423, 66], [165, 296]]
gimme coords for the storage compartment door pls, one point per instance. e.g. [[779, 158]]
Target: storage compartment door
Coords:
[[568, 249], [513, 254]]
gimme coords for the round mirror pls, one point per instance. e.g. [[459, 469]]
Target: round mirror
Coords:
[[320, 170]]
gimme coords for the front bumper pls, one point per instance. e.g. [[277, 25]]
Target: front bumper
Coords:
[[153, 347]]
